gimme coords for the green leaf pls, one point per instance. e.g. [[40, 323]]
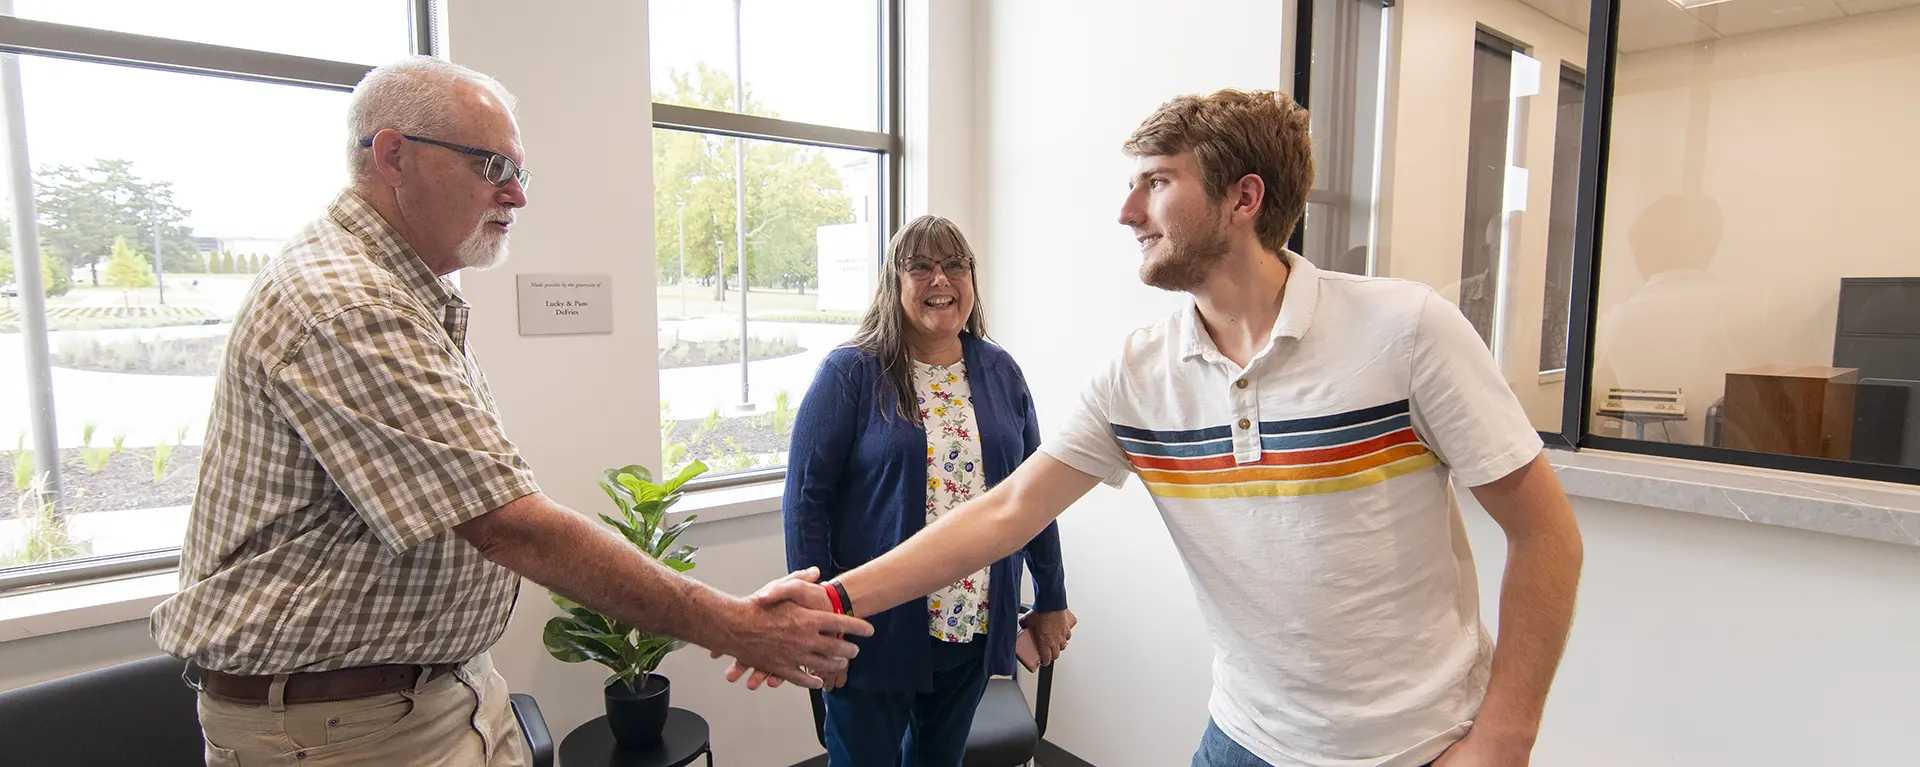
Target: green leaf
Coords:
[[619, 498], [626, 531], [678, 565], [672, 534], [573, 608], [565, 645], [642, 490], [692, 470]]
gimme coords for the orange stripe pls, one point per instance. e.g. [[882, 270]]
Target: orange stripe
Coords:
[[1285, 474], [1297, 489], [1308, 456]]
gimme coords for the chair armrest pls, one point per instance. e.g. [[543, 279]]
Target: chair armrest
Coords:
[[1044, 697], [819, 703], [534, 725]]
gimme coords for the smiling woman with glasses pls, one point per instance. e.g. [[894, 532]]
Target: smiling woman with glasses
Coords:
[[918, 413], [499, 168]]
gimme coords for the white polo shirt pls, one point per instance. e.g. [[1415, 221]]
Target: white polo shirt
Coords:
[[1309, 496]]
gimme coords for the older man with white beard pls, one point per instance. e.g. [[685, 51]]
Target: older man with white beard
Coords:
[[363, 522]]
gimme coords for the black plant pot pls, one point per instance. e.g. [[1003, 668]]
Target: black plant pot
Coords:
[[637, 717]]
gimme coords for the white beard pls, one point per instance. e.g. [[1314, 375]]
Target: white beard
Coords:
[[482, 249]]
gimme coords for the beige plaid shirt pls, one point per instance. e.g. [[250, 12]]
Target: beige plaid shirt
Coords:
[[351, 431]]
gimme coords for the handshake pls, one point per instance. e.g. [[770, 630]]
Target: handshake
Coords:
[[791, 632]]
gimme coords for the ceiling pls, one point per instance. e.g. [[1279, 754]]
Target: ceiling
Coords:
[[1649, 24]]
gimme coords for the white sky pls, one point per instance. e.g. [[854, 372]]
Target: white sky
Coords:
[[254, 160]]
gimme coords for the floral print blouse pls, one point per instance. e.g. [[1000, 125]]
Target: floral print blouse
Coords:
[[954, 475]]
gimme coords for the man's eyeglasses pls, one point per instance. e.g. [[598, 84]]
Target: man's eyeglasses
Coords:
[[956, 269], [499, 168]]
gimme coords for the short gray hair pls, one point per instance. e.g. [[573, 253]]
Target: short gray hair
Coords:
[[413, 96]]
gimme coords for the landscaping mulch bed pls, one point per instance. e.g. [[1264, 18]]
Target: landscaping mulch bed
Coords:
[[126, 482], [751, 435]]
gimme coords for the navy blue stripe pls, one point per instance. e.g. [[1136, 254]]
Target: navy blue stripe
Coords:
[[1336, 437], [1187, 450], [1324, 422], [1191, 435]]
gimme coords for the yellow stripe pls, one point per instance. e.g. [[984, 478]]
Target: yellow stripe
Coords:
[[1258, 473], [1285, 489]]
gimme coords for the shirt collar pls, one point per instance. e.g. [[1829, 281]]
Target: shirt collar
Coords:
[[1296, 311], [356, 215], [349, 210]]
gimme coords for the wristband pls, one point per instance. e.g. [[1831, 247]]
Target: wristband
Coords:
[[833, 598], [841, 601]]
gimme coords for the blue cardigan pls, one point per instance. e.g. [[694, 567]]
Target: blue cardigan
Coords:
[[857, 487]]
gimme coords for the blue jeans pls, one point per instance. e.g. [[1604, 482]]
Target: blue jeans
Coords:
[[1218, 750], [881, 729]]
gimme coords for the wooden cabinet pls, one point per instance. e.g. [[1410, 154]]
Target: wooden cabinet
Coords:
[[1790, 410]]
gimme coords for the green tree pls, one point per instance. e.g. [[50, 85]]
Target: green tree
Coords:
[[83, 210], [226, 262], [50, 274], [53, 274], [127, 268], [790, 189]]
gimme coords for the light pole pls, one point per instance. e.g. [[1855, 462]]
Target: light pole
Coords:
[[740, 204], [681, 235], [159, 272], [28, 279]]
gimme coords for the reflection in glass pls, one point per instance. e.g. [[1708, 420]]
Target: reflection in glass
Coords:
[[1759, 267]]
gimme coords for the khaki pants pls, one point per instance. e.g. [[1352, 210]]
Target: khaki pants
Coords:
[[461, 719]]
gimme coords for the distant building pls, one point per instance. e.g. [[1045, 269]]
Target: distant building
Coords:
[[263, 246]]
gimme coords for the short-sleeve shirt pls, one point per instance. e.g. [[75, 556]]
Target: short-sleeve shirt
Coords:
[[351, 431], [1310, 496]]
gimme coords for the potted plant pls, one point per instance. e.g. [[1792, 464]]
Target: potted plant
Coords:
[[637, 698]]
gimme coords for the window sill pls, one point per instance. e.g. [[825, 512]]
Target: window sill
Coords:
[[90, 605], [1875, 511]]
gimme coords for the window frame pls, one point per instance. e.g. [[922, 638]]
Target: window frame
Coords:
[[1575, 432], [29, 37], [887, 145]]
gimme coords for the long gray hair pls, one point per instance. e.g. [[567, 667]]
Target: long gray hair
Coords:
[[883, 331]]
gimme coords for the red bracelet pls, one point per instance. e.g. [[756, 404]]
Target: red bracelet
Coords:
[[833, 597]]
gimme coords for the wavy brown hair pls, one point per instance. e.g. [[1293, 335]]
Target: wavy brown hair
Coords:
[[1235, 133], [883, 331]]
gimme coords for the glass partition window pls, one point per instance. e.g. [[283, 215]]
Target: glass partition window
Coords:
[[1759, 288]]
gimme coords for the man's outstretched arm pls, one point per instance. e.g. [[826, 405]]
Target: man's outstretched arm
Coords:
[[973, 535], [563, 551]]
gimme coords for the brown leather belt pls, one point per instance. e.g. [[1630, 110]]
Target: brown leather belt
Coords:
[[323, 686]]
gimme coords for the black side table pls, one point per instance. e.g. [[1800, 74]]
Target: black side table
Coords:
[[683, 740]]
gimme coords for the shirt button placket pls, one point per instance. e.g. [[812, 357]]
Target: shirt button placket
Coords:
[[1246, 428]]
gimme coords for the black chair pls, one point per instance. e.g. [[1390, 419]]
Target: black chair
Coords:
[[1004, 734], [141, 713]]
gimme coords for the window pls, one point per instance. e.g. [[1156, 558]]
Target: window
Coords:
[[335, 30], [1344, 88], [1504, 76], [148, 226], [1713, 279], [1561, 221], [1758, 292], [1474, 151], [791, 166]]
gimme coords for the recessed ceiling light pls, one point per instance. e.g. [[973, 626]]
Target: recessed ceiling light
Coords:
[[1688, 5]]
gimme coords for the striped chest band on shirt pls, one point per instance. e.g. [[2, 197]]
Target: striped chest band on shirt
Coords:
[[1305, 456]]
